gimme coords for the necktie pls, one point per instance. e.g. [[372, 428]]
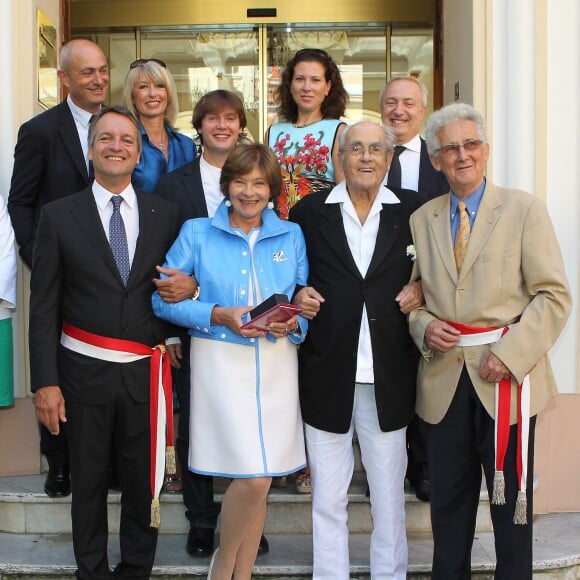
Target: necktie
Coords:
[[118, 239], [394, 179], [90, 163], [462, 234]]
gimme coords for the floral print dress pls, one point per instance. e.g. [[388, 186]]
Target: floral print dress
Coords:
[[305, 157]]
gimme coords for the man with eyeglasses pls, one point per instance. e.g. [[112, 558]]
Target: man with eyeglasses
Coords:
[[51, 162], [496, 300], [358, 364], [403, 103]]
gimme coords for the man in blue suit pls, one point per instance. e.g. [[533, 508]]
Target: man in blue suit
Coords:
[[51, 162]]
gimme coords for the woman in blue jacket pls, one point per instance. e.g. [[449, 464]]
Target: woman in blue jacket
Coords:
[[245, 415]]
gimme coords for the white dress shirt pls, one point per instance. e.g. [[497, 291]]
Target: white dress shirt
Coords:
[[361, 240], [82, 119], [210, 179], [410, 160], [129, 212]]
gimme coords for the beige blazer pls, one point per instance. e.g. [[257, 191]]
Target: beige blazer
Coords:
[[512, 269]]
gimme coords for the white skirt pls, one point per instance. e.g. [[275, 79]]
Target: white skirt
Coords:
[[245, 413]]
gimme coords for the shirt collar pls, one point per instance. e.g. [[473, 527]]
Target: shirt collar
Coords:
[[339, 194], [81, 116], [472, 201], [414, 144], [103, 195]]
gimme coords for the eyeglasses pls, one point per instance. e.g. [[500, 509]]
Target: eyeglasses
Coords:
[[452, 149], [374, 149], [142, 61]]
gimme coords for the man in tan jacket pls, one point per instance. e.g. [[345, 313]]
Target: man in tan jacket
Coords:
[[496, 300]]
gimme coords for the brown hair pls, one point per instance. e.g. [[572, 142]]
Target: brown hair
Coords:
[[215, 102], [334, 104], [243, 159]]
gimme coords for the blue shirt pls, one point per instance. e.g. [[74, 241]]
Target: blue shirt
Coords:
[[153, 165], [472, 202]]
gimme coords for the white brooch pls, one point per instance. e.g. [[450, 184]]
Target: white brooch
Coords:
[[279, 256], [411, 252]]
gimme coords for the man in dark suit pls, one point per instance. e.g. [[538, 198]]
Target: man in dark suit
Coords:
[[358, 366], [219, 119], [94, 261], [403, 103], [50, 162]]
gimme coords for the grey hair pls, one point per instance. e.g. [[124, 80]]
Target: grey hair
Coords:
[[422, 88], [388, 133], [448, 114]]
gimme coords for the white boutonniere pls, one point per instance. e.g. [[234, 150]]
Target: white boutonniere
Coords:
[[411, 252]]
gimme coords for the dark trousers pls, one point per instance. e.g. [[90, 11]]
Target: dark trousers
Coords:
[[458, 447], [417, 463], [54, 447], [96, 433], [201, 510]]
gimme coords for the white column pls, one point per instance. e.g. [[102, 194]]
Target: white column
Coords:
[[514, 76], [563, 168]]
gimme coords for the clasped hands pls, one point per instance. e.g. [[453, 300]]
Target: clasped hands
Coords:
[[442, 337]]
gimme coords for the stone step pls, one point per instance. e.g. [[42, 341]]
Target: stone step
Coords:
[[25, 508], [36, 556]]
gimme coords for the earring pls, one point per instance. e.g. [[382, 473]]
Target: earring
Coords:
[[228, 203], [270, 205]]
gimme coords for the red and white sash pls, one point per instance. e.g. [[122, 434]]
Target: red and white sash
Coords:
[[475, 336], [160, 391]]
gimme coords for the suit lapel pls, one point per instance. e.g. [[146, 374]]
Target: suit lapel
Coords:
[[389, 229], [146, 227], [487, 216], [194, 189], [440, 225], [424, 173], [332, 230], [85, 212], [70, 137]]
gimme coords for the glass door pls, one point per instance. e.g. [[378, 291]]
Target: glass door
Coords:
[[233, 57]]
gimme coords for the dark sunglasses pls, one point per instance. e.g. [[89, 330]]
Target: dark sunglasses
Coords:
[[142, 61]]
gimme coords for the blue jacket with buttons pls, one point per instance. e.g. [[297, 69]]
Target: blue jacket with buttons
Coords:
[[221, 261]]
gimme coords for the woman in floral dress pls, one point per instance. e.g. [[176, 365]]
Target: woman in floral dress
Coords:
[[311, 100]]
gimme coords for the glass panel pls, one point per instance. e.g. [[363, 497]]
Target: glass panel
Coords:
[[412, 55], [361, 54], [203, 60]]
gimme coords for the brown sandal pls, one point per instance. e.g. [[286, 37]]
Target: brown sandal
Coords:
[[303, 481]]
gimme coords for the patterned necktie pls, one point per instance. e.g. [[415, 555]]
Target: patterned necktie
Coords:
[[394, 179], [462, 234], [118, 239]]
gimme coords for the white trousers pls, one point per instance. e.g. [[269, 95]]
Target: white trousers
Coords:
[[331, 460]]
